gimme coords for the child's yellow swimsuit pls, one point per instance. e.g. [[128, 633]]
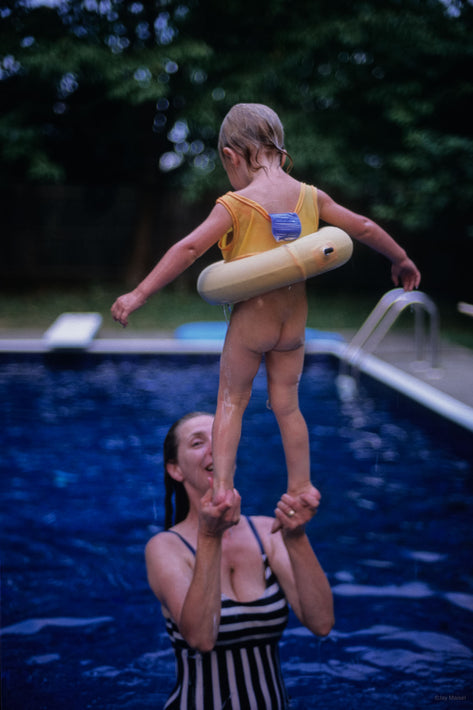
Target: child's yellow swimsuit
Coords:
[[252, 232]]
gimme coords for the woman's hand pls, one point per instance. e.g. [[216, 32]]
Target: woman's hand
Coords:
[[293, 513], [216, 517]]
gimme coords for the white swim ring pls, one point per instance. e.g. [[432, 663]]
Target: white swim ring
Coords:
[[233, 281]]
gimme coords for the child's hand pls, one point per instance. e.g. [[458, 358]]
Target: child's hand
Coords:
[[126, 304], [406, 273]]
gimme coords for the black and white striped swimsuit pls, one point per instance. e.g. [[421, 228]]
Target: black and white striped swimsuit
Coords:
[[243, 671]]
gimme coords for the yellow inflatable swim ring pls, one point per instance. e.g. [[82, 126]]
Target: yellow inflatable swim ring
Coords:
[[233, 281]]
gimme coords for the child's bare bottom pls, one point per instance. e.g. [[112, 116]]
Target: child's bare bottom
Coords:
[[273, 325]]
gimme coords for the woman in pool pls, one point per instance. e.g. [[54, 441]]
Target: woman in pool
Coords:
[[225, 582], [252, 219]]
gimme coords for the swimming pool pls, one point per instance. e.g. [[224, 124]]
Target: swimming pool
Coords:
[[80, 465]]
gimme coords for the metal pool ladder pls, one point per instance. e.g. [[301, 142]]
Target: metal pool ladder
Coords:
[[383, 317]]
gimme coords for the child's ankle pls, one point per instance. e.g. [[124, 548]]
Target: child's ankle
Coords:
[[220, 492], [302, 487]]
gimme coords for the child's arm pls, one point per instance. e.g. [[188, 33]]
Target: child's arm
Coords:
[[176, 260], [367, 232]]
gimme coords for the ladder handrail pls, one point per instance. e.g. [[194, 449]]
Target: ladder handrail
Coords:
[[384, 315], [374, 317]]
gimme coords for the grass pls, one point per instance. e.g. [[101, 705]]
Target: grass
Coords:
[[35, 309], [38, 308]]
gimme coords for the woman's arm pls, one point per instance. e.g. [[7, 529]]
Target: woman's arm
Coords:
[[296, 565], [174, 262], [367, 232], [190, 588], [310, 595]]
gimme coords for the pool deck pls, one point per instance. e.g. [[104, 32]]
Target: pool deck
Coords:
[[454, 376], [447, 387]]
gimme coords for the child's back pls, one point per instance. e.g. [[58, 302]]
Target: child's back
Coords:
[[275, 320], [273, 189]]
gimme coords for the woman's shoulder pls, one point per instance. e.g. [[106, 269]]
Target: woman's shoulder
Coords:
[[169, 565], [163, 541], [263, 525], [158, 542], [263, 522], [167, 554], [272, 542]]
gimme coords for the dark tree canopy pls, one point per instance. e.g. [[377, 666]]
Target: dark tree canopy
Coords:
[[375, 97]]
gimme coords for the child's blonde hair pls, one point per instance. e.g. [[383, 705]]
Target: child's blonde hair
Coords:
[[250, 128]]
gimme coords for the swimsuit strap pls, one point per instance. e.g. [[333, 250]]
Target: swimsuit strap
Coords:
[[187, 544], [250, 523], [256, 534]]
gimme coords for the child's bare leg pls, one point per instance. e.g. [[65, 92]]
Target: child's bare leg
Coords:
[[238, 367], [284, 369], [295, 439]]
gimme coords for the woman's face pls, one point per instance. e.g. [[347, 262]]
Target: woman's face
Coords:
[[194, 451]]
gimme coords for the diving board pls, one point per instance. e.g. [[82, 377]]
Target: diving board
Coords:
[[72, 331], [465, 308]]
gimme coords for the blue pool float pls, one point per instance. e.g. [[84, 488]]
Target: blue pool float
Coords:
[[216, 330]]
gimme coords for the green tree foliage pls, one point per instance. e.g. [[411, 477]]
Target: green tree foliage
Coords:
[[375, 97], [86, 88]]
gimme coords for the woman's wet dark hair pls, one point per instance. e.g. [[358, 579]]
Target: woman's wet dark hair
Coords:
[[175, 489]]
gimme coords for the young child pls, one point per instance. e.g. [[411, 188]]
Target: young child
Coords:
[[251, 147]]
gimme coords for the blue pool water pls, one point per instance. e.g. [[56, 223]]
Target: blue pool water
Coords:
[[81, 493]]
